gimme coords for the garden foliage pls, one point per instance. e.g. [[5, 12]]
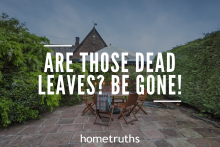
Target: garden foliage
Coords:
[[22, 57], [199, 64], [22, 60]]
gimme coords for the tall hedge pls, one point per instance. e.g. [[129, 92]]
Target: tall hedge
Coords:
[[22, 58], [199, 64]]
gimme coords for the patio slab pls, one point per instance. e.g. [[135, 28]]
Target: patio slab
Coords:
[[208, 132], [92, 127], [71, 128], [202, 142], [147, 143], [81, 120], [169, 133], [57, 139], [50, 129], [179, 143], [150, 125], [31, 130], [6, 140], [65, 121], [64, 127], [189, 133], [50, 121], [28, 140], [161, 143], [12, 130], [153, 134]]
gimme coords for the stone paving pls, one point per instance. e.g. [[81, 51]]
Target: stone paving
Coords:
[[159, 128]]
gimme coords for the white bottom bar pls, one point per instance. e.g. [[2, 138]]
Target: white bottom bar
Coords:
[[167, 100]]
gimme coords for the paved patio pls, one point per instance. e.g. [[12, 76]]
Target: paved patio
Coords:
[[160, 128]]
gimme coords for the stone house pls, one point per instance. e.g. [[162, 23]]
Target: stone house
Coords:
[[91, 43]]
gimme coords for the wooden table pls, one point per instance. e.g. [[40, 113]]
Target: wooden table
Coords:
[[113, 95]]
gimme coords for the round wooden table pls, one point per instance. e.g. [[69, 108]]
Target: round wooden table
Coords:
[[116, 111]]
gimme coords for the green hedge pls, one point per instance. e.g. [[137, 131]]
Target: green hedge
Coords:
[[22, 58], [199, 64]]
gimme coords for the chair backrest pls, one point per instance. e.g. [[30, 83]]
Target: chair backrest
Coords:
[[94, 98], [85, 97], [143, 96], [145, 93], [132, 99]]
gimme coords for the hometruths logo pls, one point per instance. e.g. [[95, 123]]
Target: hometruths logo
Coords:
[[125, 139]]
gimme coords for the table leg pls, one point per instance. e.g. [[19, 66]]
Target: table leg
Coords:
[[113, 101]]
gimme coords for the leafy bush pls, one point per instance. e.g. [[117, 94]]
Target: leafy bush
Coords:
[[199, 64], [69, 99], [22, 57]]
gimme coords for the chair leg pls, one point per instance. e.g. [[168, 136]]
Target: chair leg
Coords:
[[143, 110], [112, 112], [110, 118], [97, 114], [89, 107], [92, 106], [128, 113], [122, 115], [101, 123], [132, 109], [140, 107], [85, 110], [134, 115], [137, 110]]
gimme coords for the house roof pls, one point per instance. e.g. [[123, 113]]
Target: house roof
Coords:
[[63, 50], [93, 29]]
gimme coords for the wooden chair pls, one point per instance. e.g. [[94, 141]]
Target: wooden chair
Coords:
[[89, 104], [129, 105], [99, 112], [141, 100]]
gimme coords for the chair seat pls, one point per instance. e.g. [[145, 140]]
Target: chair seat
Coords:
[[123, 105]]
